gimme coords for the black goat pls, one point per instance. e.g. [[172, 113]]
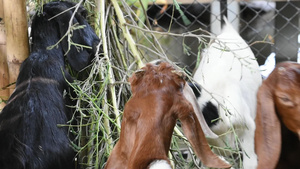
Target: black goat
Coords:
[[29, 135]]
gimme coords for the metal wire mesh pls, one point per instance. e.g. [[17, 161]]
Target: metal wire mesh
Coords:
[[270, 21]]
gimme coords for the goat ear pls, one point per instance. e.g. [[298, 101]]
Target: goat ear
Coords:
[[133, 80], [139, 73], [268, 129], [136, 76], [194, 133], [190, 96], [78, 56], [179, 73], [180, 78]]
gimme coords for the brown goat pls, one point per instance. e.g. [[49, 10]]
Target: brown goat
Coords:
[[158, 100], [278, 119]]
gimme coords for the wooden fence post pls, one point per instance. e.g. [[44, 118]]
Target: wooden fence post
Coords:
[[17, 45], [4, 93]]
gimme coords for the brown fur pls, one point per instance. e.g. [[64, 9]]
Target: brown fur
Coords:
[[278, 118], [149, 119]]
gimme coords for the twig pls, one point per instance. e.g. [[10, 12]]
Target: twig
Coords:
[[126, 33]]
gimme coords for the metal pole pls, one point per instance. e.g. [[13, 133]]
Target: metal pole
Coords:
[[223, 9]]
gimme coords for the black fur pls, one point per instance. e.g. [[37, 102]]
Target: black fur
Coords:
[[210, 113], [209, 110], [29, 135], [196, 89], [56, 28]]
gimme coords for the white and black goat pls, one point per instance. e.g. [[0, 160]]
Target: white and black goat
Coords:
[[229, 78], [29, 134]]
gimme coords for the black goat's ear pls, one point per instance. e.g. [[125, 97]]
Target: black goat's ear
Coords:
[[76, 56], [79, 44], [83, 12]]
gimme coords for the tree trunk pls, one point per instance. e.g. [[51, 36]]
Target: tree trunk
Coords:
[[17, 47], [4, 93]]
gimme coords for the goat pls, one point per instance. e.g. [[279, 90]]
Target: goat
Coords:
[[277, 133], [228, 78], [30, 137], [159, 98]]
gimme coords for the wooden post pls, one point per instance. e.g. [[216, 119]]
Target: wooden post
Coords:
[[4, 93], [17, 46]]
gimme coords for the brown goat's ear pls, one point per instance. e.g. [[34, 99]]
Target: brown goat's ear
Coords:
[[191, 125], [180, 78], [133, 80], [179, 73], [268, 130], [139, 73], [194, 133], [190, 96]]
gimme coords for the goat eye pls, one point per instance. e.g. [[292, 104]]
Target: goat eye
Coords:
[[286, 101]]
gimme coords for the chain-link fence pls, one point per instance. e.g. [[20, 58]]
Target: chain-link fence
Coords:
[[272, 21], [269, 21]]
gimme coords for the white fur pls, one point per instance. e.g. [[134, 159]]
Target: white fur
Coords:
[[229, 76], [160, 164]]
